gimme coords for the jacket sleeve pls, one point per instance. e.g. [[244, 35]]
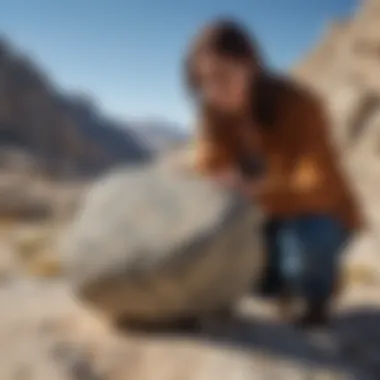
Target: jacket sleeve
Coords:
[[313, 169]]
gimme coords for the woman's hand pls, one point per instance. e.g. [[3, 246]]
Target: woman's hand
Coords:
[[232, 180], [253, 188], [228, 178], [182, 161]]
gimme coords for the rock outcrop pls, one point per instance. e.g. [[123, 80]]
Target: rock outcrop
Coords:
[[65, 134], [344, 67]]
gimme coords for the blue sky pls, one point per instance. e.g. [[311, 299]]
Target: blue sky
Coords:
[[127, 53]]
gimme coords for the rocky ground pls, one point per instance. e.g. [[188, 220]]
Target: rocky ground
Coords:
[[47, 334]]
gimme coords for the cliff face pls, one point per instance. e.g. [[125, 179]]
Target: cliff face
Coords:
[[345, 68], [64, 134]]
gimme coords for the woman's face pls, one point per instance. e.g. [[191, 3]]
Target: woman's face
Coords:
[[224, 84]]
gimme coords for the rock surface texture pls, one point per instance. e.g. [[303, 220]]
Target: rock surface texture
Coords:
[[151, 243]]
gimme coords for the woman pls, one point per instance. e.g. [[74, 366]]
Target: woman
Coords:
[[248, 116]]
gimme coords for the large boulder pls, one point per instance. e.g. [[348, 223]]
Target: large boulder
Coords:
[[151, 244]]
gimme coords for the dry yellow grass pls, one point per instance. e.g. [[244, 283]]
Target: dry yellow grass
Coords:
[[7, 223], [35, 246], [30, 240], [359, 274], [31, 246], [45, 266]]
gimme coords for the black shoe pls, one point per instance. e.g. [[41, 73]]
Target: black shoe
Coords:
[[316, 316], [182, 325], [271, 287]]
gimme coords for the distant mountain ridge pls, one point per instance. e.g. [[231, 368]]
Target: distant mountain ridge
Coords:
[[66, 134], [160, 136]]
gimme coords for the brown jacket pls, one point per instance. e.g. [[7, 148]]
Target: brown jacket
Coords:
[[303, 173]]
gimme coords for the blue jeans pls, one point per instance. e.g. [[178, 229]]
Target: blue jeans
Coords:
[[304, 256]]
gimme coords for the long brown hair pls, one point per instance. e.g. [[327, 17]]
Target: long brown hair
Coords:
[[228, 38]]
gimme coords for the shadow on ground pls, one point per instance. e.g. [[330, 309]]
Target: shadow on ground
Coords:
[[351, 343]]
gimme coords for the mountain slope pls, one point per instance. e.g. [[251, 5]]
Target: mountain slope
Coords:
[[344, 67], [160, 136], [65, 133]]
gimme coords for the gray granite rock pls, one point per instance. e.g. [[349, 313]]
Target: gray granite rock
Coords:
[[151, 244]]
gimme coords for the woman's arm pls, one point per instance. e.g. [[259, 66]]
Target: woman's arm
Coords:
[[211, 157], [305, 188], [208, 158], [217, 163]]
